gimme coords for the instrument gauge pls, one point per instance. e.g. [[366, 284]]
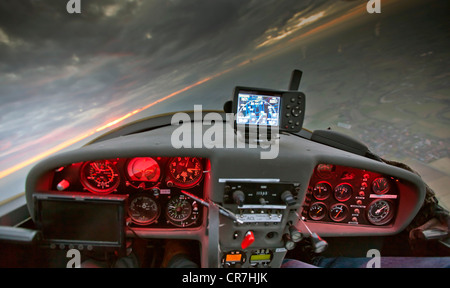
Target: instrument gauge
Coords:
[[143, 172], [143, 209], [322, 190], [325, 171], [338, 212], [317, 211], [380, 186], [343, 192], [100, 177], [182, 211], [185, 172], [380, 212]]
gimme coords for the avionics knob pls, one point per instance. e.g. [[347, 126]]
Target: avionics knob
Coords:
[[238, 197], [288, 198], [262, 201]]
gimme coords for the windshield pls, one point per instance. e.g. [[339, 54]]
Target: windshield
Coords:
[[72, 70]]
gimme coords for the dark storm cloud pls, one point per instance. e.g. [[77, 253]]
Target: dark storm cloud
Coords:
[[45, 50], [40, 33], [43, 33]]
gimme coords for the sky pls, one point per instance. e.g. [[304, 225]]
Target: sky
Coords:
[[117, 56], [65, 77]]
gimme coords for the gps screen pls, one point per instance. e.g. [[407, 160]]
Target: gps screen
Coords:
[[256, 109]]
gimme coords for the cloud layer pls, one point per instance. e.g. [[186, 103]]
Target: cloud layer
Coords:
[[62, 73]]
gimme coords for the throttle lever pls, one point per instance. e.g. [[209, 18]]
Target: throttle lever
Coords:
[[318, 244]]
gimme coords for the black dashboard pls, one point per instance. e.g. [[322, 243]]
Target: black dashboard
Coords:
[[332, 192]]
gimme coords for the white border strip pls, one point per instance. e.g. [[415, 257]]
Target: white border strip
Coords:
[[252, 180]]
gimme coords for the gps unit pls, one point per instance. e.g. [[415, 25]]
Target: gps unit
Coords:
[[256, 107]]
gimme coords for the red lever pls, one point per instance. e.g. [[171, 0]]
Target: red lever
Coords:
[[249, 238]]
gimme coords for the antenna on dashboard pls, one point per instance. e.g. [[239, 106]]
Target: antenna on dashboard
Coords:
[[228, 107], [296, 77]]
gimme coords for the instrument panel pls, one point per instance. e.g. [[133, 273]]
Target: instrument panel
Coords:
[[345, 195], [267, 197], [153, 186]]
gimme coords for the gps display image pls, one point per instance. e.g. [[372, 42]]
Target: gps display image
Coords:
[[254, 109]]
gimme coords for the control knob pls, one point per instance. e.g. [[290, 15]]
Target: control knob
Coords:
[[238, 197], [288, 198]]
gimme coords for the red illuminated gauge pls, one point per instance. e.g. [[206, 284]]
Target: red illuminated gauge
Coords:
[[143, 172], [322, 190], [380, 212], [143, 209], [317, 211], [101, 177], [343, 192], [338, 212], [380, 186], [325, 171], [185, 172]]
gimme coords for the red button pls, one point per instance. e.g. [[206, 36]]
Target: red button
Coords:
[[249, 238]]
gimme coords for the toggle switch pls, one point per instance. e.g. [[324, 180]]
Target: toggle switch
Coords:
[[63, 185], [248, 240]]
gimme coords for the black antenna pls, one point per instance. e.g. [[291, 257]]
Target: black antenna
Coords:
[[295, 80], [228, 107]]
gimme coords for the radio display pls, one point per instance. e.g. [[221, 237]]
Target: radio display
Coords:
[[233, 258], [258, 109], [260, 257]]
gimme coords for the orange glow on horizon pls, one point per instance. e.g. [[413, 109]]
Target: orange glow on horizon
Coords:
[[72, 141], [42, 155]]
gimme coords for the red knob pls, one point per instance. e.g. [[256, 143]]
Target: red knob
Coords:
[[249, 238]]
